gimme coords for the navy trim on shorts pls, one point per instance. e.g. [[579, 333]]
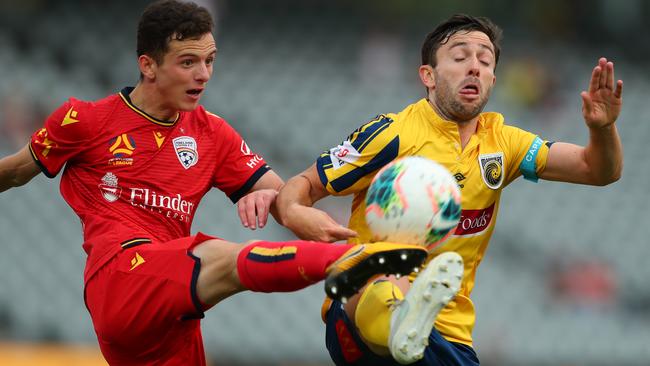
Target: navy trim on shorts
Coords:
[[195, 297], [440, 351]]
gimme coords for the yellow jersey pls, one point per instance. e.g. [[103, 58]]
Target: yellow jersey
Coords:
[[494, 157]]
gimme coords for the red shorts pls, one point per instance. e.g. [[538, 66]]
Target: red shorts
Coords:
[[144, 305]]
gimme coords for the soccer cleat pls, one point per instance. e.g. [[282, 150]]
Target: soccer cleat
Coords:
[[413, 318], [352, 271]]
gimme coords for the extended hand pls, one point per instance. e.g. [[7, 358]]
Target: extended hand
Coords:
[[310, 223], [601, 104], [253, 208]]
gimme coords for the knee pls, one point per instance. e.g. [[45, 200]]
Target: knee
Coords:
[[218, 276]]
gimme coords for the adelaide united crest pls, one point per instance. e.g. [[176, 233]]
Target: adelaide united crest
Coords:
[[186, 151]]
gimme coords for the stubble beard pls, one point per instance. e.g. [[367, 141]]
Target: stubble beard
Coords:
[[453, 109]]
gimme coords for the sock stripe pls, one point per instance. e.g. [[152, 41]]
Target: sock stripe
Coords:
[[270, 255]]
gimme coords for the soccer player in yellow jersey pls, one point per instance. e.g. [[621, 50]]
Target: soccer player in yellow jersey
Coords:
[[392, 320]]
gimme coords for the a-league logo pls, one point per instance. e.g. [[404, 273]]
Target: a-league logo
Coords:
[[186, 151]]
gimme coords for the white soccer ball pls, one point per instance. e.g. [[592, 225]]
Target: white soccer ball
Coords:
[[413, 200]]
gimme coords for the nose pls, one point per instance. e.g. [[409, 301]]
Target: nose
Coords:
[[203, 73], [474, 68]]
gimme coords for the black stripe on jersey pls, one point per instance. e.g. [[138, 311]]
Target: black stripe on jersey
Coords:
[[365, 136], [241, 192], [40, 165], [322, 163], [385, 156], [134, 242], [124, 94]]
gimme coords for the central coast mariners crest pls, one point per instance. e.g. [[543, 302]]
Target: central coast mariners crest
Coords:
[[492, 169], [186, 150]]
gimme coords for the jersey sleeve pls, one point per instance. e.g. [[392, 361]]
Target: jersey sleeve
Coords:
[[350, 166], [527, 154], [62, 137], [240, 168]]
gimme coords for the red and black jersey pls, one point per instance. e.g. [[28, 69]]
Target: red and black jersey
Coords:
[[131, 177]]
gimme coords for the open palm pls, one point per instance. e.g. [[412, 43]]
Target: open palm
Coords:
[[601, 104]]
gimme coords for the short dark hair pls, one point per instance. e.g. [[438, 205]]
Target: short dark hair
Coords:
[[166, 19], [459, 23]]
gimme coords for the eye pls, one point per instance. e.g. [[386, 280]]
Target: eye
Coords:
[[187, 62], [459, 59], [209, 61]]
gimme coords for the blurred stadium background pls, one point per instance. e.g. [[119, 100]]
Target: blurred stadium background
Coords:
[[565, 278]]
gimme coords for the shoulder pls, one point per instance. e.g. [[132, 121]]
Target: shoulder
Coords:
[[80, 119]]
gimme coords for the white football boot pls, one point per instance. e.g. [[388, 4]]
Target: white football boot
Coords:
[[412, 318]]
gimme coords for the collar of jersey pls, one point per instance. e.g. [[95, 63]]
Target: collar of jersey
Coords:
[[452, 127], [124, 94]]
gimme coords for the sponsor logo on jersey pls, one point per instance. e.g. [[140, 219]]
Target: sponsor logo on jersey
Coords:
[[474, 222], [109, 188], [186, 151], [171, 206], [159, 137], [252, 162], [122, 148], [70, 117], [344, 153], [492, 169]]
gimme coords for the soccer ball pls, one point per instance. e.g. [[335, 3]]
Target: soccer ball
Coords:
[[413, 200]]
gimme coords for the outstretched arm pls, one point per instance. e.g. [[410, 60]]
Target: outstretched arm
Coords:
[[17, 169], [601, 161], [295, 203]]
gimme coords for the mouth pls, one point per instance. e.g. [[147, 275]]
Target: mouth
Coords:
[[194, 93], [470, 89]]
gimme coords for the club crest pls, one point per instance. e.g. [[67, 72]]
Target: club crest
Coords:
[[186, 151], [492, 170], [109, 188]]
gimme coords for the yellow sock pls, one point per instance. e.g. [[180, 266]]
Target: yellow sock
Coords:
[[372, 316]]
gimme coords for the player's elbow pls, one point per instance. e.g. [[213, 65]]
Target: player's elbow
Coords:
[[611, 177]]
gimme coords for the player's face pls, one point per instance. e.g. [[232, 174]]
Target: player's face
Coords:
[[464, 75], [185, 71]]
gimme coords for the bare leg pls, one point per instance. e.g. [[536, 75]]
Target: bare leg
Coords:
[[218, 278]]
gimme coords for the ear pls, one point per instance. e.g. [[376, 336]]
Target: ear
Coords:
[[426, 76], [147, 66]]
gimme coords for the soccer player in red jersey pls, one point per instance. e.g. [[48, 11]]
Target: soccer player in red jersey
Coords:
[[137, 163]]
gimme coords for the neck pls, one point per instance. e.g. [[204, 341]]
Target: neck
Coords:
[[465, 128], [147, 99]]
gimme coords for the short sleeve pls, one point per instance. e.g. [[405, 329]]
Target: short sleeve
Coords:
[[527, 154], [350, 166], [240, 168], [62, 137]]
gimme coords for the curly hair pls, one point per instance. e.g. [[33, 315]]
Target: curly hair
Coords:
[[459, 23], [165, 20]]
